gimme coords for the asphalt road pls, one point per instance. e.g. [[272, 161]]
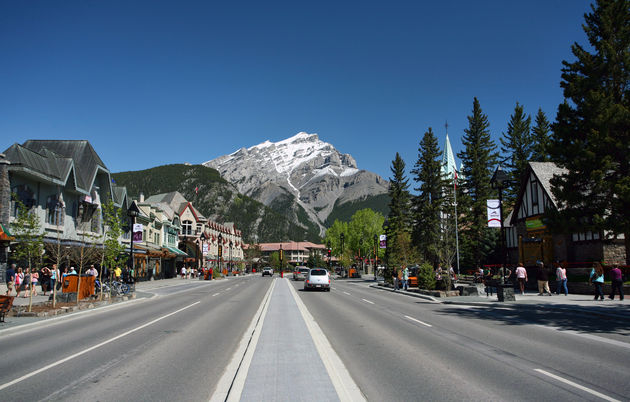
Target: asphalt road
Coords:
[[176, 346], [170, 347], [402, 348]]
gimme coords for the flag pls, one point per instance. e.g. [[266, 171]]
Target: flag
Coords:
[[196, 190], [455, 179]]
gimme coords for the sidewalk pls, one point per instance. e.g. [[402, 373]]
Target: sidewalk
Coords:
[[531, 299]]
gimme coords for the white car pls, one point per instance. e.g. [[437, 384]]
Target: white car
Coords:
[[317, 278], [267, 271], [300, 273]]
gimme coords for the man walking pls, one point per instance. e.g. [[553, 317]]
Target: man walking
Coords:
[[616, 279], [543, 279]]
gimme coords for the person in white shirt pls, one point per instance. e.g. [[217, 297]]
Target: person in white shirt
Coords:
[[521, 276], [561, 279]]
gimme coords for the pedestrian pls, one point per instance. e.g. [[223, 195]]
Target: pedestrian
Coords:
[[596, 278], [616, 279], [504, 272], [54, 275], [521, 276], [395, 280], [405, 277], [19, 279], [183, 272], [45, 279], [561, 280], [117, 273], [72, 271], [26, 282], [10, 278], [543, 279], [92, 271]]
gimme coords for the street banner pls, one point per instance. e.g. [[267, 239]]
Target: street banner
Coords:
[[205, 249], [383, 241], [137, 233], [494, 214]]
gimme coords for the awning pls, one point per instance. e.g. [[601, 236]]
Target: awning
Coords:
[[5, 235], [175, 251]]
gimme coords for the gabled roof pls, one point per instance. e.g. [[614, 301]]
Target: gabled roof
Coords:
[[543, 172], [176, 201], [72, 163]]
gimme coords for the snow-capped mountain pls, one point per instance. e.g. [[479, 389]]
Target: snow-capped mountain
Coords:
[[302, 167]]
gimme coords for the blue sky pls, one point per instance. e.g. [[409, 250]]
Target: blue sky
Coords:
[[157, 82]]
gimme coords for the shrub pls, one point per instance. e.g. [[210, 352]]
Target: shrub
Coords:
[[426, 277]]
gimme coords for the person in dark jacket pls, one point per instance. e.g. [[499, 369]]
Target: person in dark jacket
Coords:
[[542, 275], [616, 282]]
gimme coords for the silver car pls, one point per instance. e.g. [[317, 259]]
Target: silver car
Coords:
[[317, 278], [300, 273]]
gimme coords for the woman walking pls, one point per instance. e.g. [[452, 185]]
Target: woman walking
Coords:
[[561, 280], [597, 278]]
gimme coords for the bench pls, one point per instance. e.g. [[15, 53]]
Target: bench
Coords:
[[6, 302]]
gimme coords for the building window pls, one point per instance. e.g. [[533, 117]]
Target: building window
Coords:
[[25, 195], [534, 191], [55, 210], [187, 227]]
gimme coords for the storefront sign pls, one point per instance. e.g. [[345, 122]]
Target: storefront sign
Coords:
[[383, 241], [535, 224]]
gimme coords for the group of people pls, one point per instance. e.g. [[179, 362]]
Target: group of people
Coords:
[[25, 280]]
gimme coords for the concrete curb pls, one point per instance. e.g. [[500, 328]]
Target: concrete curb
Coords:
[[402, 292]]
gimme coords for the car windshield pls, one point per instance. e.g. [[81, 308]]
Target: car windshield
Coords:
[[318, 272], [304, 270]]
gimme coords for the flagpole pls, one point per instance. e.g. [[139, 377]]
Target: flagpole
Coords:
[[456, 228]]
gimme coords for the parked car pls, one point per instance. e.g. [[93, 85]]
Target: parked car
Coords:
[[317, 278], [267, 271], [300, 273]]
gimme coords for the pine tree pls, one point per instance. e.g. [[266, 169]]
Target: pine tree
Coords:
[[479, 158], [427, 206], [516, 146], [541, 138], [592, 130], [398, 229]]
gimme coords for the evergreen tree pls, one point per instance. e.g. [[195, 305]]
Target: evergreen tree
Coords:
[[427, 207], [541, 138], [113, 220], [516, 146], [592, 130], [479, 158], [398, 229]]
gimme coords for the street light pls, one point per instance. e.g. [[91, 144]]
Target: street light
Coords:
[[328, 251], [202, 237], [231, 263], [281, 265], [498, 182], [220, 251], [132, 212], [375, 255], [341, 237]]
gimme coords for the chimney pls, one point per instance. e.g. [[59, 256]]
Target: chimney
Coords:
[[141, 197]]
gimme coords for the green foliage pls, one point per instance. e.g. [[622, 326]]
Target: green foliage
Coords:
[[516, 146], [113, 221], [592, 129], [399, 225], [479, 159], [344, 211], [428, 205], [28, 235], [541, 138], [333, 237], [426, 277], [365, 224]]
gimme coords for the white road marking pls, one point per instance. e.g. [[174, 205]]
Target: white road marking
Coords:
[[216, 294], [578, 386], [346, 388], [347, 293], [418, 321], [57, 363], [367, 301], [232, 381], [228, 289]]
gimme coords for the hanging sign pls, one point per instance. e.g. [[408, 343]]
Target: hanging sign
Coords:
[[205, 249], [383, 241], [137, 233], [494, 214]]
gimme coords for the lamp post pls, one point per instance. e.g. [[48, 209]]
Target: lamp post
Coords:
[[281, 265], [328, 251], [132, 213], [220, 251], [375, 254], [202, 237], [341, 237], [498, 181], [231, 263]]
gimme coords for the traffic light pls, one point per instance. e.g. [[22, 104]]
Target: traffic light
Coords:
[[329, 252]]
